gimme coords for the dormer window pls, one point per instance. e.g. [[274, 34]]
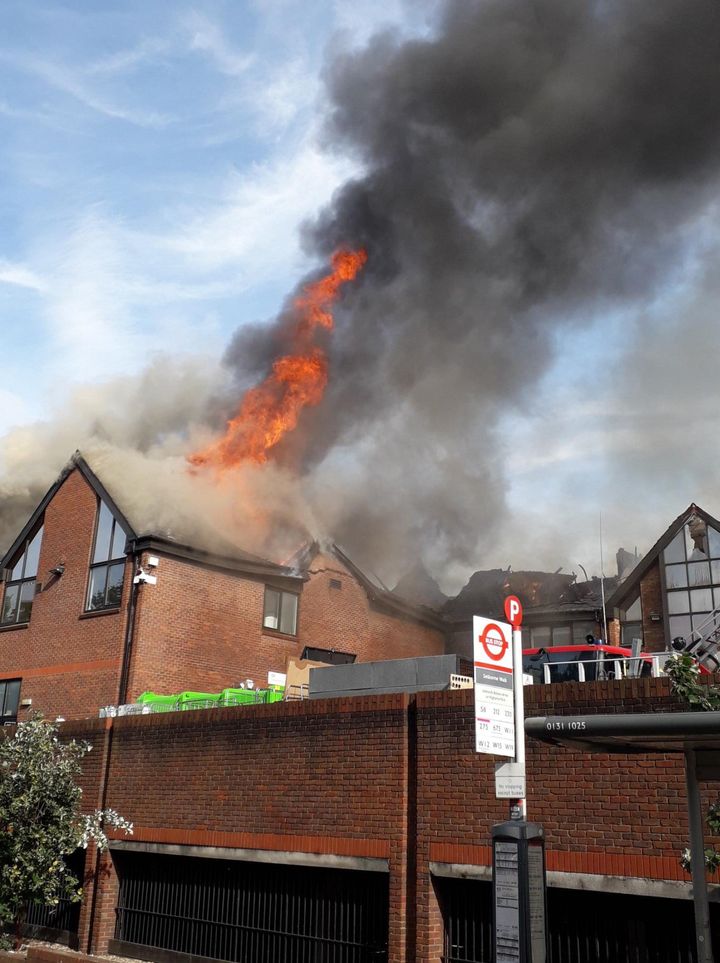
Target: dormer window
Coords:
[[20, 582], [108, 562]]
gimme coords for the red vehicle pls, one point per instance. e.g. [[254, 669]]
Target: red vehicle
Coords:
[[586, 663]]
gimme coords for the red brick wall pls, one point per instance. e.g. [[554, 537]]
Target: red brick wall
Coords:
[[370, 776], [200, 629], [613, 815], [651, 595], [69, 664], [344, 619], [309, 777]]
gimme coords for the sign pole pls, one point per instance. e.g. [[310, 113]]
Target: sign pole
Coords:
[[521, 811], [519, 883]]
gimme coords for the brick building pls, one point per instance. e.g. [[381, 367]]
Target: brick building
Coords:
[[675, 589], [79, 629], [365, 823]]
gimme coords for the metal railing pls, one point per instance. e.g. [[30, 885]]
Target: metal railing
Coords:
[[583, 927], [599, 669], [250, 912]]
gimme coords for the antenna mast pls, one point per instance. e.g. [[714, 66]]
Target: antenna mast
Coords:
[[602, 585]]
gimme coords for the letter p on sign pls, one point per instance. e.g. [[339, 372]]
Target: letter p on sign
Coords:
[[513, 611]]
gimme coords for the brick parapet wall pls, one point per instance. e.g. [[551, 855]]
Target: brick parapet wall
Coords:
[[367, 776], [617, 815]]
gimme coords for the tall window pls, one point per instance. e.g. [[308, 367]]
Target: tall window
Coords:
[[692, 578], [21, 582], [280, 611], [9, 700], [108, 562], [631, 625]]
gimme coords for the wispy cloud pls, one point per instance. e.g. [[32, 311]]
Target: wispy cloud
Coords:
[[72, 83], [20, 275], [148, 50], [207, 37]]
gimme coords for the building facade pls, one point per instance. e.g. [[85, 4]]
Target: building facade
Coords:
[[96, 610]]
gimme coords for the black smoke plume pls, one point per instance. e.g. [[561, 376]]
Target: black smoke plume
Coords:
[[530, 165]]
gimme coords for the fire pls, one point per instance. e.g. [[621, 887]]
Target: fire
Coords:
[[298, 379]]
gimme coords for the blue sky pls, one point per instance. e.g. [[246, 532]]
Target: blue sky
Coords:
[[157, 160]]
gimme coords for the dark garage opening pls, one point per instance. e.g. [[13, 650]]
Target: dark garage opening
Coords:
[[58, 924], [584, 926], [173, 906]]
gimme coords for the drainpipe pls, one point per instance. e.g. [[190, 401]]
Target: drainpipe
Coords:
[[129, 631], [697, 859]]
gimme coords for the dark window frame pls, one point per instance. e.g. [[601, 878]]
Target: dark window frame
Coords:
[[105, 565], [9, 718], [10, 583], [712, 584], [283, 593]]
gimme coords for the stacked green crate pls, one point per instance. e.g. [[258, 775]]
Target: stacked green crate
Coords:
[[239, 697], [159, 703]]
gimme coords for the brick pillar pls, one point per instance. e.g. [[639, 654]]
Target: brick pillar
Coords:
[[102, 907]]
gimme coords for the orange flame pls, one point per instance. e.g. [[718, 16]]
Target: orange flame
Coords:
[[271, 409]]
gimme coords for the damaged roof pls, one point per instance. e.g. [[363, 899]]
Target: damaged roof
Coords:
[[184, 539]]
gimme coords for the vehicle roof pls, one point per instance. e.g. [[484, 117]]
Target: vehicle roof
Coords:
[[613, 649]]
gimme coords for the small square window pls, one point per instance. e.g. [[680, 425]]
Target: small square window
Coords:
[[9, 700], [280, 611]]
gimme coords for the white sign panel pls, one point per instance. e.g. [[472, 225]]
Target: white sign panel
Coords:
[[494, 706], [509, 781]]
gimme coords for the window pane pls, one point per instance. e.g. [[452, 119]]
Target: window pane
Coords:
[[696, 540], [118, 542], [271, 614], [714, 540], [678, 602], [676, 576], [27, 594], [540, 636], [701, 600], [680, 626], [114, 584], [702, 623], [96, 590], [581, 629], [10, 602], [630, 631], [675, 552], [699, 573], [12, 698], [562, 635], [33, 555], [103, 534], [288, 613], [634, 612], [17, 569]]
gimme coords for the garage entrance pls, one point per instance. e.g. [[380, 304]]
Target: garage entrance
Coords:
[[584, 926], [178, 906]]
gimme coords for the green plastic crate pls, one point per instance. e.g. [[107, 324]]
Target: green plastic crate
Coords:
[[239, 697], [199, 700], [160, 703]]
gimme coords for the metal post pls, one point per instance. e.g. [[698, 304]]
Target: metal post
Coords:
[[519, 711], [697, 859]]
